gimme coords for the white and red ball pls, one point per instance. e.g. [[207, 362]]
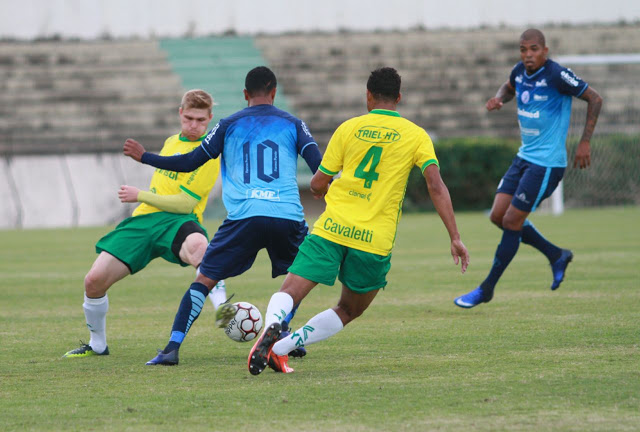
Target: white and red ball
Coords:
[[246, 324]]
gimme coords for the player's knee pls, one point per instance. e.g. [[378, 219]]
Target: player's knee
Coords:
[[193, 249], [95, 284], [496, 219], [511, 222]]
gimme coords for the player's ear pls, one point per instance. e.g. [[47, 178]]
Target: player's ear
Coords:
[[180, 111], [273, 92], [399, 98], [246, 95]]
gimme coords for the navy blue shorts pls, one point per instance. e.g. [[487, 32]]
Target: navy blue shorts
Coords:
[[235, 245], [529, 183]]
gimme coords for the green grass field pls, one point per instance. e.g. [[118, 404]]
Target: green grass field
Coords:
[[531, 359]]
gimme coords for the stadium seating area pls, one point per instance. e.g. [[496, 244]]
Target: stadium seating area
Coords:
[[67, 98]]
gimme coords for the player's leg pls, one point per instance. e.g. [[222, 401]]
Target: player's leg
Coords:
[[230, 253], [106, 271]]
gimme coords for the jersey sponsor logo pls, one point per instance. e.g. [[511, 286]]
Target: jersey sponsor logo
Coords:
[[351, 232], [305, 129], [360, 195], [527, 114], [525, 97], [171, 174], [264, 194], [541, 83], [377, 134], [540, 98], [519, 79], [211, 134], [569, 77]]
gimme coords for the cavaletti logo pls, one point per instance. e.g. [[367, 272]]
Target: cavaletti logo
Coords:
[[377, 134]]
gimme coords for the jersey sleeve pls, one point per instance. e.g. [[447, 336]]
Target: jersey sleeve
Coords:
[[213, 143], [425, 154], [512, 76], [199, 183], [304, 136], [568, 83], [333, 158]]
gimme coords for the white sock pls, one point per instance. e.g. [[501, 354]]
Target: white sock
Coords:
[[218, 294], [320, 327], [95, 312], [279, 306]]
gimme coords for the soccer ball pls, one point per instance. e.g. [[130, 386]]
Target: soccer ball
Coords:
[[247, 323]]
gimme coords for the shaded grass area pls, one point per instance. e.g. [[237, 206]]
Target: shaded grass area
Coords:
[[531, 359]]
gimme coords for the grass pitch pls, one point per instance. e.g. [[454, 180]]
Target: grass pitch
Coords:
[[531, 359]]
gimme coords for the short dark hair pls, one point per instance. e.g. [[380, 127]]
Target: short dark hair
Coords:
[[260, 80], [384, 83], [533, 34]]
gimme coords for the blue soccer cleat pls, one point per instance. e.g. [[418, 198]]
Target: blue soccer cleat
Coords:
[[168, 359], [559, 268], [474, 298]]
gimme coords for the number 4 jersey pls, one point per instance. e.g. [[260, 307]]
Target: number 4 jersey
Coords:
[[375, 153], [259, 147]]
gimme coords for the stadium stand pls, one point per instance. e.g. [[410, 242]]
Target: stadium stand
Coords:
[[71, 99]]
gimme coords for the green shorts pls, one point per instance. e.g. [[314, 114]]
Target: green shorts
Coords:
[[320, 260], [139, 239]]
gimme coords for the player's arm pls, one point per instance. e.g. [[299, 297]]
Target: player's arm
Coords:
[[442, 201], [180, 163], [505, 93], [181, 203], [320, 184], [594, 103], [311, 155]]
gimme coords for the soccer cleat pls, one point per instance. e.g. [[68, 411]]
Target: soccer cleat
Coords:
[[559, 268], [84, 351], [279, 363], [298, 352], [474, 298], [169, 359], [259, 355], [225, 313]]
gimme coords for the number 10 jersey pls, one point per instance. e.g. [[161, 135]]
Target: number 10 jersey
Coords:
[[259, 149], [375, 153]]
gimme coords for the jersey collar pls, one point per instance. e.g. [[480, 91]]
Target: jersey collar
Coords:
[[185, 139], [385, 112]]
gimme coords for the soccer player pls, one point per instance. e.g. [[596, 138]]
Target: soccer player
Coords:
[[353, 238], [166, 224], [544, 92], [259, 148]]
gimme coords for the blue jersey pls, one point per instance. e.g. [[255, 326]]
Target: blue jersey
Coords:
[[259, 147], [544, 111]]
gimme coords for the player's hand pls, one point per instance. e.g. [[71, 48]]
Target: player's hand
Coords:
[[133, 149], [583, 155], [495, 103], [460, 254], [128, 194]]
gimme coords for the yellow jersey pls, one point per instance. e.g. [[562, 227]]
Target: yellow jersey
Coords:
[[197, 183], [375, 153]]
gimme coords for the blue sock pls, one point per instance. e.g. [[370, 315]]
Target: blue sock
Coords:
[[290, 315], [531, 236], [188, 312], [504, 254]]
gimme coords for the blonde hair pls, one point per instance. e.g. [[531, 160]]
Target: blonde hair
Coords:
[[198, 99]]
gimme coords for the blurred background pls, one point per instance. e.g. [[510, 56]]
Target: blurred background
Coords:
[[79, 77]]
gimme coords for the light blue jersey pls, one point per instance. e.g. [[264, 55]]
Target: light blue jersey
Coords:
[[544, 110], [259, 147]]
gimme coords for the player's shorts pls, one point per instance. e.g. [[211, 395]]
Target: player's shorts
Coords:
[[529, 183], [236, 244], [320, 260], [139, 239]]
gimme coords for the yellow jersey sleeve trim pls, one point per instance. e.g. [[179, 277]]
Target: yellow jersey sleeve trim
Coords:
[[326, 171], [429, 162], [191, 194]]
